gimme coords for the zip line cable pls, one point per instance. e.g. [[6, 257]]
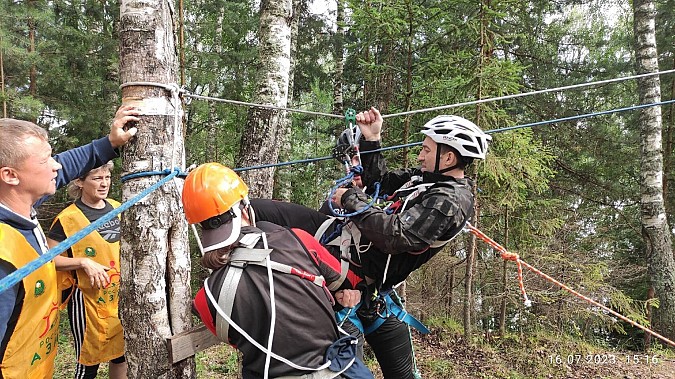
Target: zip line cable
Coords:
[[267, 106], [186, 93], [412, 144]]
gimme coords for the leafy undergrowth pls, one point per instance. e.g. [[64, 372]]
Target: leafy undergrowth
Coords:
[[445, 353]]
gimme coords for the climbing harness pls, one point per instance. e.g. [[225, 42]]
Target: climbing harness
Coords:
[[240, 259], [385, 307]]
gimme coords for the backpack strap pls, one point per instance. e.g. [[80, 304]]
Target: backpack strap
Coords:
[[226, 299], [242, 257]]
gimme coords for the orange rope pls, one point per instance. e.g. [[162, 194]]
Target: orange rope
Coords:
[[514, 257]]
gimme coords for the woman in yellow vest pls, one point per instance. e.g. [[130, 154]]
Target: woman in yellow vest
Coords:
[[93, 264]]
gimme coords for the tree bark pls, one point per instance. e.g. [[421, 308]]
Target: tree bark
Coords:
[[155, 291], [282, 183], [468, 280], [259, 142], [338, 101], [505, 289], [656, 232]]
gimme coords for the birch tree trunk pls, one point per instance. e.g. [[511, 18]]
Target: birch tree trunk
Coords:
[[656, 232], [259, 142], [155, 290], [283, 183]]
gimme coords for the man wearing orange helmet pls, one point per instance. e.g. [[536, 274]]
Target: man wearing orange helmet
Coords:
[[268, 294], [431, 204]]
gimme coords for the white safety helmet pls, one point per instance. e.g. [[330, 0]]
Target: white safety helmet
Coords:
[[461, 134]]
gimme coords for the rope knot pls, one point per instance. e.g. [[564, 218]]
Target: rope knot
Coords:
[[507, 256]]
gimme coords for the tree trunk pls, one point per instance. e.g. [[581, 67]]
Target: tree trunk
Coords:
[[450, 279], [282, 183], [408, 81], [661, 266], [2, 81], [32, 86], [259, 142], [338, 101], [155, 291], [669, 122], [468, 280], [505, 290]]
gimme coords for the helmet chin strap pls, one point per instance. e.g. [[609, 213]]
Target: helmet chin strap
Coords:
[[438, 163]]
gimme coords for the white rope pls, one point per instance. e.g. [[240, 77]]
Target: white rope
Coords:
[[273, 317], [250, 339], [171, 87]]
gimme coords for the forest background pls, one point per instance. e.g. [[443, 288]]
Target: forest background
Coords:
[[565, 196]]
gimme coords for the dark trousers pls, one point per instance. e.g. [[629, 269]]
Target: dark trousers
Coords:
[[393, 349]]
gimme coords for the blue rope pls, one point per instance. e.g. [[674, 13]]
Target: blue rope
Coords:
[[167, 171], [580, 116], [336, 232], [341, 182], [18, 275], [310, 160]]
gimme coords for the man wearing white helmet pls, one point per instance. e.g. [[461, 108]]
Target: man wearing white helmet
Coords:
[[431, 205]]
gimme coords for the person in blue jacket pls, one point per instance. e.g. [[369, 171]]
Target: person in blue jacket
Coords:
[[28, 175]]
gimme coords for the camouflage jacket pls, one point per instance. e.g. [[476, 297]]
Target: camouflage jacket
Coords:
[[414, 234]]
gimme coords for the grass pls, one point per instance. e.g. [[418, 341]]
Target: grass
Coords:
[[445, 353]]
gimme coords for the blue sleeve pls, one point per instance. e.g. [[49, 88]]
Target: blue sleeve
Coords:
[[7, 300], [80, 160]]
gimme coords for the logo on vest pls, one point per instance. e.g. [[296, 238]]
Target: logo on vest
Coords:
[[39, 288], [90, 251]]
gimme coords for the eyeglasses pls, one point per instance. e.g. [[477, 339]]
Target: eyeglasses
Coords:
[[216, 222]]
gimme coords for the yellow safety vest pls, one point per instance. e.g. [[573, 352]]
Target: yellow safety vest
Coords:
[[103, 337], [32, 345]]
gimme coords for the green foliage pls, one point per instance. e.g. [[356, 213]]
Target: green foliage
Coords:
[[564, 196]]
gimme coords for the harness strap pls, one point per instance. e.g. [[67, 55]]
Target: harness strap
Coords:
[[226, 299], [344, 269], [322, 229], [393, 309], [351, 315]]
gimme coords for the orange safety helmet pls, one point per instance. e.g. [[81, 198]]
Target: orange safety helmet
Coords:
[[211, 190]]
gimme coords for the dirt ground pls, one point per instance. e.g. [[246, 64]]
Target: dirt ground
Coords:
[[464, 360]]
